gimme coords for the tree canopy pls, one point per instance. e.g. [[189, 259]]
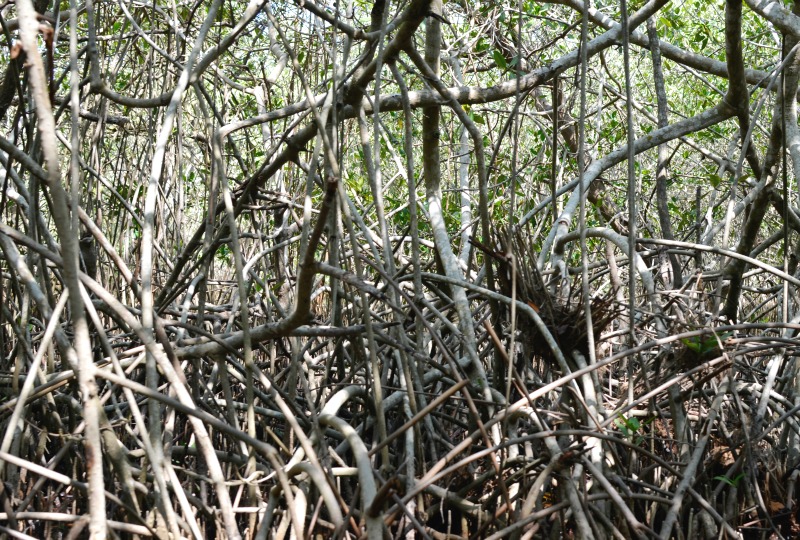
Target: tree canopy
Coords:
[[416, 269]]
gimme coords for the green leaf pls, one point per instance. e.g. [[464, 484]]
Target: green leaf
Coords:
[[703, 345], [733, 482], [627, 426], [499, 59], [725, 479]]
